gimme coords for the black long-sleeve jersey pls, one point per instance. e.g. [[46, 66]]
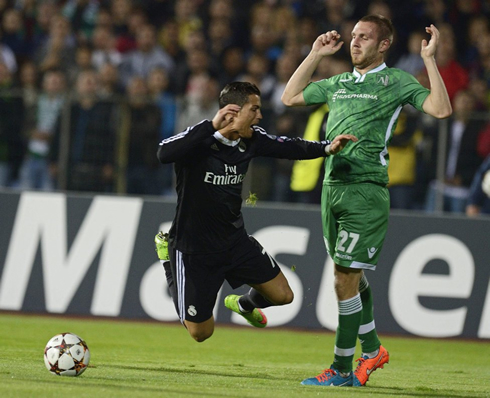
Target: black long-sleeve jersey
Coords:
[[210, 170]]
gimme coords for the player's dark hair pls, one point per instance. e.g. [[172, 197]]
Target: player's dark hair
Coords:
[[384, 25], [237, 93]]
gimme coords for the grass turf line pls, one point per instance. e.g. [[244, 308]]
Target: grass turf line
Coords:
[[147, 359]]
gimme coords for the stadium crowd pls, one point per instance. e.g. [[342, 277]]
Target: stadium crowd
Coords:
[[88, 88]]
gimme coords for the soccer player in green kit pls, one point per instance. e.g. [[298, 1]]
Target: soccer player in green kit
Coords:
[[355, 201]]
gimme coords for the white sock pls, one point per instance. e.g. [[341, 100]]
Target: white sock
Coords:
[[371, 355]]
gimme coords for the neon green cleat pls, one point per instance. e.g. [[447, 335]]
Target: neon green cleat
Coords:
[[256, 318], [161, 243]]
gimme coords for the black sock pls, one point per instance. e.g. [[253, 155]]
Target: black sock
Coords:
[[253, 299]]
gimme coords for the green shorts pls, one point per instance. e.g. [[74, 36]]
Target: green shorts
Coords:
[[355, 220]]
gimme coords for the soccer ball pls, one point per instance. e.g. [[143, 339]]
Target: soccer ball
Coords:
[[66, 354], [485, 184]]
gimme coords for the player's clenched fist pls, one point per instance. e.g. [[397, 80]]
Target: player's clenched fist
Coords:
[[328, 43]]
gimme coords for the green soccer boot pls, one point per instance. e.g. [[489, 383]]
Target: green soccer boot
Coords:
[[161, 244], [256, 317]]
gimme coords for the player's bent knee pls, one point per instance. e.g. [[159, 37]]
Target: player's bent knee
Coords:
[[288, 297], [200, 331]]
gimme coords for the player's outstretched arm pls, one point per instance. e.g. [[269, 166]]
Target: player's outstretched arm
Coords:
[[340, 142], [437, 103], [326, 44]]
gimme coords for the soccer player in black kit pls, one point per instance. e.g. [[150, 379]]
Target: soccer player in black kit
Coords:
[[208, 243]]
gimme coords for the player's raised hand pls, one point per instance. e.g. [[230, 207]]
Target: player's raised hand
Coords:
[[429, 49], [225, 116], [340, 142], [328, 43]]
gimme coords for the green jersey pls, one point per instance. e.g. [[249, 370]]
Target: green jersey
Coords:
[[366, 106]]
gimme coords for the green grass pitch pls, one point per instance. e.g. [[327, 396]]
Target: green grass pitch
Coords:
[[150, 359]]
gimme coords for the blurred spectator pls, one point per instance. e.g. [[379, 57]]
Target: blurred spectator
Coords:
[[257, 72], [82, 15], [147, 56], [196, 69], [14, 35], [221, 9], [292, 46], [290, 124], [198, 106], [480, 91], [57, 51], [196, 41], [120, 10], [308, 31], [91, 136], [35, 173], [478, 27], [403, 158], [331, 66], [478, 198], [220, 36], [483, 69], [333, 15], [427, 151], [158, 87], [236, 13], [435, 12], [483, 147], [45, 11], [187, 18], [7, 57], [104, 48], [411, 61], [261, 13], [462, 157], [307, 175], [168, 37], [460, 14], [138, 138], [263, 43], [159, 12], [380, 7], [83, 62], [28, 9], [285, 67], [233, 65], [29, 89], [104, 19], [454, 75], [29, 84], [128, 41], [283, 22], [109, 87], [11, 116]]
